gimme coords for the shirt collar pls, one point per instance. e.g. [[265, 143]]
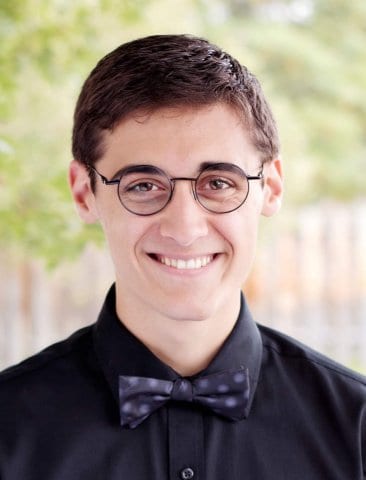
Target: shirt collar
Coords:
[[120, 353]]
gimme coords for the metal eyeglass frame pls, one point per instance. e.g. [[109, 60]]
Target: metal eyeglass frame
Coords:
[[172, 181]]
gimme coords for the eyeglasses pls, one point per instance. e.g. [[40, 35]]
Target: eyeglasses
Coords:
[[146, 189]]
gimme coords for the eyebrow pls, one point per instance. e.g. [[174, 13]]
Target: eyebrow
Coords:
[[151, 169], [140, 168], [225, 166]]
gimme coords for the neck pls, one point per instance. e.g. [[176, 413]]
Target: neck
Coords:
[[187, 346]]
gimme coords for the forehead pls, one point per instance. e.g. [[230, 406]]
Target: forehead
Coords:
[[180, 137]]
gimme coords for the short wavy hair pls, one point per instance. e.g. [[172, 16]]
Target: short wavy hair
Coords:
[[168, 71]]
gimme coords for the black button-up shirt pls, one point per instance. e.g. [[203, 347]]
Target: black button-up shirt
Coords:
[[59, 413]]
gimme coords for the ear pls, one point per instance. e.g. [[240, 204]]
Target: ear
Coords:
[[82, 193], [273, 187]]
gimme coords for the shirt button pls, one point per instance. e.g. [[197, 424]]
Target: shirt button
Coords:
[[186, 474]]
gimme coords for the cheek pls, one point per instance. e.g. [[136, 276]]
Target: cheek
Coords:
[[124, 234], [240, 229]]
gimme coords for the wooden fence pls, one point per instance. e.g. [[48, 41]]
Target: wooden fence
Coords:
[[309, 280]]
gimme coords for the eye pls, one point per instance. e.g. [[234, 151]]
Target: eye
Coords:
[[142, 187], [218, 184], [212, 183]]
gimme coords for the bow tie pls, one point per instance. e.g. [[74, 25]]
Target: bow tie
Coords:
[[225, 393]]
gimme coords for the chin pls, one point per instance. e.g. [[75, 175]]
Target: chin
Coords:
[[188, 309]]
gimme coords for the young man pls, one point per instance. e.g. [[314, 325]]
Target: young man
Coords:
[[177, 156]]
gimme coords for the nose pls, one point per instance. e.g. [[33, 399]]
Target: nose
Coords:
[[183, 219]]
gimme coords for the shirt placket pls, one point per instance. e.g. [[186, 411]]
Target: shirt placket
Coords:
[[186, 459]]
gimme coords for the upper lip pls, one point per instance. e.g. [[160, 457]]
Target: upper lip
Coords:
[[180, 256]]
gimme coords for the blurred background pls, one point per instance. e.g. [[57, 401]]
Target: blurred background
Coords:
[[309, 279]]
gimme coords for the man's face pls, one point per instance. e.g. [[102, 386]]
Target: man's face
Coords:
[[183, 262]]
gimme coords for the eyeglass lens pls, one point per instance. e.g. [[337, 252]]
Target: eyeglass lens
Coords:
[[146, 189]]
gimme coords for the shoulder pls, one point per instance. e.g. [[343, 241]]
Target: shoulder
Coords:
[[61, 356], [321, 398], [294, 356], [49, 389]]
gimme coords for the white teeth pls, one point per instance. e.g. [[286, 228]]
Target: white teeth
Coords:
[[181, 264], [190, 264]]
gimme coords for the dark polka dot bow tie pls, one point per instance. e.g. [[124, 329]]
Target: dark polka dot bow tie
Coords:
[[225, 393]]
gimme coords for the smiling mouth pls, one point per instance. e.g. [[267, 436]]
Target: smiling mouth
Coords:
[[186, 264]]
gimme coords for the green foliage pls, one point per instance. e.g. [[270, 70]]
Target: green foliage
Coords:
[[311, 62]]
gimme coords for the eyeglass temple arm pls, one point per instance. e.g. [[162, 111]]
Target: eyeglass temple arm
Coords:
[[102, 177], [255, 177]]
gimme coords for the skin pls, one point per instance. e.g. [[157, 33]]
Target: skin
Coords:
[[183, 316]]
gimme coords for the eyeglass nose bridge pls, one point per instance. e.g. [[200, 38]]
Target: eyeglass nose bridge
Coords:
[[188, 179]]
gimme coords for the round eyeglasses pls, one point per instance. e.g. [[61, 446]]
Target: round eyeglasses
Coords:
[[146, 189]]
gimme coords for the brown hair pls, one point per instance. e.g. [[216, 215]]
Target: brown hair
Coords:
[[167, 71]]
